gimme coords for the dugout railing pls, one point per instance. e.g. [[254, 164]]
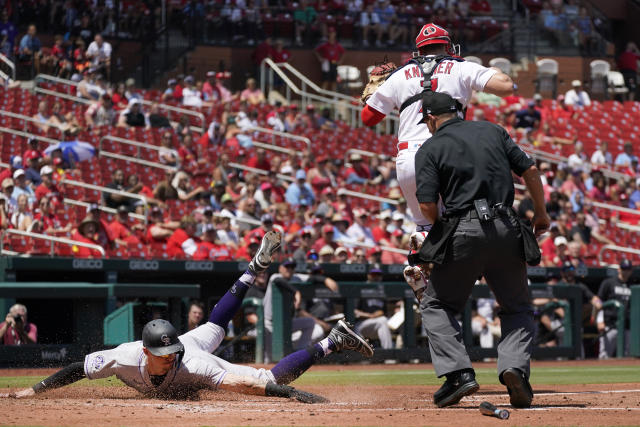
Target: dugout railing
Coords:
[[570, 297]]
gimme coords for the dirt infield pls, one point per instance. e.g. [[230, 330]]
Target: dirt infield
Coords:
[[584, 405]]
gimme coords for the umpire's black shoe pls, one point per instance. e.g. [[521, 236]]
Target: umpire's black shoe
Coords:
[[520, 392], [458, 384]]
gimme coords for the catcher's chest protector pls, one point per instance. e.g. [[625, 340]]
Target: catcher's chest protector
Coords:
[[427, 65]]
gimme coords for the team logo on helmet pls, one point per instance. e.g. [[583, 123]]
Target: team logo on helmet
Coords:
[[165, 339], [428, 30]]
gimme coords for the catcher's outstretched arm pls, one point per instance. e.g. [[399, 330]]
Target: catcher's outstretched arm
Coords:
[[499, 84], [371, 116], [67, 375]]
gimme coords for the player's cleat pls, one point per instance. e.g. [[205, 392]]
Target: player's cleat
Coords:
[[345, 338], [520, 392], [269, 245], [458, 384]]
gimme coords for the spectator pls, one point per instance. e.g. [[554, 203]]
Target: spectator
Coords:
[[21, 187], [103, 234], [11, 204], [577, 97], [577, 160], [226, 235], [133, 115], [381, 233], [6, 48], [86, 233], [369, 21], [9, 27], [330, 55], [89, 87], [528, 118], [191, 96], [181, 184], [275, 119], [100, 112], [81, 63], [624, 159], [385, 13], [63, 67], [183, 243], [99, 53], [325, 254], [389, 257], [30, 48], [114, 200], [548, 247], [358, 173], [304, 245], [159, 230], [42, 117], [195, 315], [628, 66], [308, 328], [22, 218], [247, 214], [48, 186], [615, 288], [167, 154], [119, 97], [602, 156], [300, 191], [359, 231], [303, 17], [252, 94], [279, 54], [16, 330], [48, 221], [32, 173], [259, 161], [209, 249], [372, 321], [156, 119], [123, 232]]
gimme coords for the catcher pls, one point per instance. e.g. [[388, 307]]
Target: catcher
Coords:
[[436, 66], [164, 364]]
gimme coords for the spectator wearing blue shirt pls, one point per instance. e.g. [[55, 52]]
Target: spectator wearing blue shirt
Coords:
[[528, 118], [300, 191], [30, 48], [625, 158], [634, 198], [9, 27], [21, 187], [32, 173], [385, 12]]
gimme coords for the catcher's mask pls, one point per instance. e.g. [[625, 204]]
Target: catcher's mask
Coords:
[[434, 34], [161, 338]]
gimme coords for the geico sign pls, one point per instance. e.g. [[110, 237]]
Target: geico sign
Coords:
[[395, 269], [143, 265], [353, 268], [198, 266], [87, 264]]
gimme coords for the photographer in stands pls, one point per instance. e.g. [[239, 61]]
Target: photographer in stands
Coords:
[[15, 330]]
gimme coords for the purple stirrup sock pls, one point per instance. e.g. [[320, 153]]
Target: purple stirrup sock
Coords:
[[295, 364], [229, 304]]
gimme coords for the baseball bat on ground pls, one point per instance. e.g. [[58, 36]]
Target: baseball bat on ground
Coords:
[[492, 411]]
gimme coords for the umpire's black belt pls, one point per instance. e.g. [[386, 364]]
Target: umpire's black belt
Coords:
[[497, 210]]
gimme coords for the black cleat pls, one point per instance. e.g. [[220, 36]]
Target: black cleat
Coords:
[[263, 258], [458, 384], [520, 392], [345, 338]]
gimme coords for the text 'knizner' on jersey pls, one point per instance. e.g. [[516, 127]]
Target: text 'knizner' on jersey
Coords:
[[198, 369], [457, 79]]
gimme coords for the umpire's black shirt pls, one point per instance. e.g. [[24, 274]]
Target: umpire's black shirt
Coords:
[[465, 161]]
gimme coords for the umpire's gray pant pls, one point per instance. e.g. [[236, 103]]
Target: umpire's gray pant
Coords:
[[492, 249]]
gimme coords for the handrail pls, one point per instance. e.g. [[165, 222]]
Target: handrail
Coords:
[[626, 226], [28, 118], [368, 196], [136, 160], [29, 135], [62, 95], [5, 77], [167, 107], [365, 153], [52, 239], [275, 133], [616, 248], [272, 147], [312, 85], [259, 171], [235, 218], [10, 64], [103, 189], [128, 141], [102, 208], [616, 208]]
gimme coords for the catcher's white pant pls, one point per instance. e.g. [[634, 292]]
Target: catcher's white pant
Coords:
[[406, 172]]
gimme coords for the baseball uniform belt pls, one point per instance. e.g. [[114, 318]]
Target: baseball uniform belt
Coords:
[[404, 145]]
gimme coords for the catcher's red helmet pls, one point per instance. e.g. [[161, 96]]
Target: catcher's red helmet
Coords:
[[434, 34]]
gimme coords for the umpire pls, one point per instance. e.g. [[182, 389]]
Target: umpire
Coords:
[[469, 165]]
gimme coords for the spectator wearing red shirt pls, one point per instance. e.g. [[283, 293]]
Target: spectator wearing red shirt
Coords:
[[48, 187], [389, 257], [121, 229], [177, 89], [628, 66], [259, 161], [49, 221], [159, 230], [33, 152], [104, 237], [262, 51], [259, 232], [380, 233], [16, 330], [208, 249], [183, 243], [326, 239], [279, 54], [480, 8], [548, 247], [358, 173], [248, 251], [86, 233], [330, 55], [562, 110]]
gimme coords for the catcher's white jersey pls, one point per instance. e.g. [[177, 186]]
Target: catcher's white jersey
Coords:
[[199, 369], [458, 79]]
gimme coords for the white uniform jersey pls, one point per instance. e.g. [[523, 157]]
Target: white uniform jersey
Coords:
[[198, 369], [455, 78]]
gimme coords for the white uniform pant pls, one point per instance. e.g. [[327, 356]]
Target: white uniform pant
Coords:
[[376, 329], [608, 343]]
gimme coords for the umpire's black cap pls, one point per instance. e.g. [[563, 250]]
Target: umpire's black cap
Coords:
[[436, 103], [161, 338]]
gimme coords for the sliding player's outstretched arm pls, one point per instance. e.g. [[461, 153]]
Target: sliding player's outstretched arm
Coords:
[[65, 376]]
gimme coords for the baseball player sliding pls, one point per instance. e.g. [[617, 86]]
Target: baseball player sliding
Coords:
[[165, 364], [402, 88]]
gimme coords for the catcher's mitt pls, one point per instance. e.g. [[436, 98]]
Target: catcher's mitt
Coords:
[[377, 76]]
